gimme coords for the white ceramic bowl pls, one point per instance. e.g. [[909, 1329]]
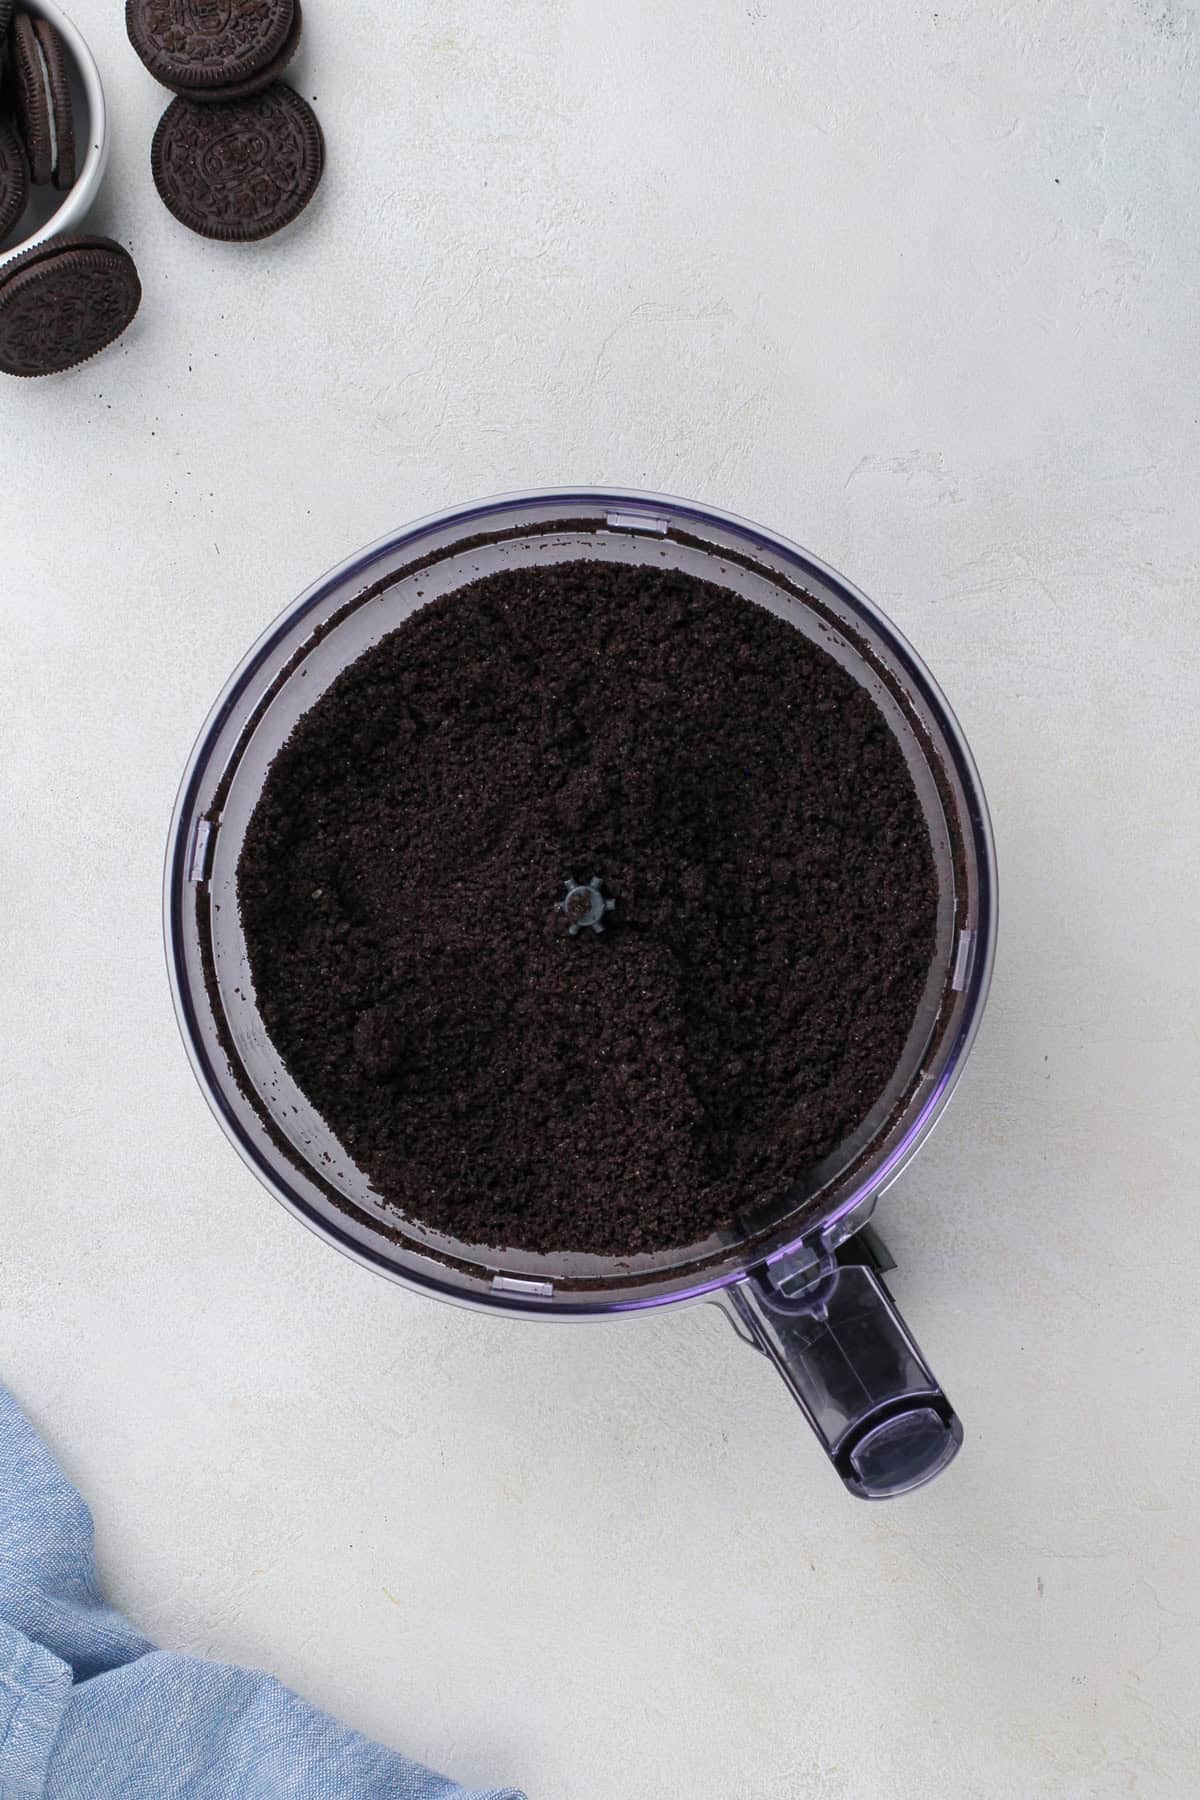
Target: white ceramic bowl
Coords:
[[50, 214]]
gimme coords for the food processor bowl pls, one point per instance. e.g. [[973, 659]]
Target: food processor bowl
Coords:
[[799, 1277]]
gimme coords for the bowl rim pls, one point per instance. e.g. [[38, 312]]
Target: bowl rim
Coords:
[[79, 199]]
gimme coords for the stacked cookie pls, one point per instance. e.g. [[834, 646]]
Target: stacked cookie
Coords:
[[37, 129], [238, 154], [63, 301]]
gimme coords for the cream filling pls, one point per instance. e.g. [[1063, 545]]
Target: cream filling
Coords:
[[49, 92]]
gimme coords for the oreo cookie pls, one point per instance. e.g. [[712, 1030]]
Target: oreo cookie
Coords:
[[35, 109], [208, 44], [62, 116], [43, 99], [239, 170], [14, 179], [239, 90], [62, 302]]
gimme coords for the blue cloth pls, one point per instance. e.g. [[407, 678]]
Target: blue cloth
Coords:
[[90, 1710]]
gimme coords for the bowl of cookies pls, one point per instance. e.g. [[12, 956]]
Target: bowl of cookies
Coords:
[[53, 128]]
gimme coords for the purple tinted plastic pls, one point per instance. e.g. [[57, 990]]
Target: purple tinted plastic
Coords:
[[249, 1089], [857, 1374], [903, 1453]]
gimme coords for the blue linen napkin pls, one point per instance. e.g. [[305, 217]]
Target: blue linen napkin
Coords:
[[90, 1710]]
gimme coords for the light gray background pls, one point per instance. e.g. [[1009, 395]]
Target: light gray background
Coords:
[[920, 290]]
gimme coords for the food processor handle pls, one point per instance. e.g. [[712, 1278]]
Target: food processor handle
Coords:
[[859, 1378]]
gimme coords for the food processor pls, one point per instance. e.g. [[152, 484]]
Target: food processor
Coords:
[[801, 1279]]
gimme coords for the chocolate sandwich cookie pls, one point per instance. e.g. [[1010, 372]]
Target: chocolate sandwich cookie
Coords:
[[239, 90], [62, 117], [35, 108], [7, 8], [62, 302], [190, 44], [240, 170], [43, 95], [14, 179]]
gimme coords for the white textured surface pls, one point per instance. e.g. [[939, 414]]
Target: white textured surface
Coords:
[[919, 289]]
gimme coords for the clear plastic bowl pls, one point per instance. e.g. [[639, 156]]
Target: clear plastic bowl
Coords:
[[772, 1265]]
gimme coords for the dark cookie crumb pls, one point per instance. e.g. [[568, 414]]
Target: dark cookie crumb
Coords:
[[748, 809]]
